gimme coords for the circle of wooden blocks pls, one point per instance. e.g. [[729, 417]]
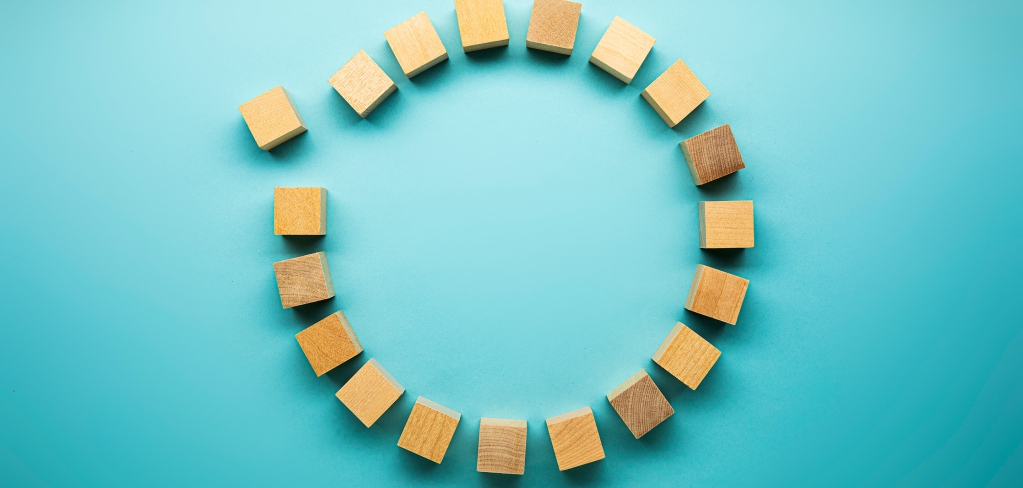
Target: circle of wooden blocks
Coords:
[[575, 438], [502, 446], [272, 118], [622, 50], [305, 279], [362, 83], [712, 154], [676, 93], [481, 24], [686, 355], [416, 45], [329, 342], [370, 392], [716, 294], [429, 430], [553, 25], [300, 211], [726, 225], [640, 404]]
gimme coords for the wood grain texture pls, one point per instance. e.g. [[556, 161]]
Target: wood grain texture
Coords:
[[726, 225], [370, 392], [716, 294], [300, 211], [362, 83], [502, 446], [676, 93], [416, 45], [575, 438], [305, 279], [712, 154], [272, 118], [481, 24], [329, 343], [640, 404], [429, 430], [686, 355], [553, 25], [622, 50]]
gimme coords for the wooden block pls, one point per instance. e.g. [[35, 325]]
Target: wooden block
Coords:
[[575, 438], [553, 25], [416, 44], [329, 342], [712, 154], [272, 118], [726, 225], [305, 279], [640, 404], [502, 446], [300, 211], [481, 24], [429, 430], [686, 355], [370, 392], [622, 50], [716, 294], [362, 83], [676, 93]]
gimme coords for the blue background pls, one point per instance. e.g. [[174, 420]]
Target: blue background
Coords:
[[511, 234]]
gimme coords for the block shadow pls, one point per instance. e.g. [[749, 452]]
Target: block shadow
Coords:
[[488, 55], [548, 58]]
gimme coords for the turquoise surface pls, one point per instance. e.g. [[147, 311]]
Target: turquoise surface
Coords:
[[511, 234]]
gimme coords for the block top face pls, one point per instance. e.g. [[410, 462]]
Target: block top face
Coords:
[[416, 45], [676, 93], [329, 343], [686, 355], [640, 404], [362, 83], [553, 25], [481, 24], [429, 430], [575, 438], [502, 446], [726, 225], [304, 279], [300, 211], [370, 392], [622, 50], [272, 118], [716, 294], [712, 154]]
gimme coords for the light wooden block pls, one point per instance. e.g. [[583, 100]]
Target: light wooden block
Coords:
[[676, 93], [575, 438], [553, 25], [726, 225], [362, 83], [272, 118], [300, 211], [686, 355], [305, 279], [716, 294], [622, 50], [416, 44], [502, 446], [370, 392], [429, 430], [481, 24], [640, 404], [329, 342], [712, 154]]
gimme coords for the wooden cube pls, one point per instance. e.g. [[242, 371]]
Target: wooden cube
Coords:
[[676, 93], [300, 211], [305, 279], [481, 24], [553, 25], [726, 225], [686, 355], [370, 392], [416, 44], [362, 83], [716, 294], [640, 404], [272, 118], [622, 50], [429, 430], [575, 438], [329, 342], [712, 154], [502, 446]]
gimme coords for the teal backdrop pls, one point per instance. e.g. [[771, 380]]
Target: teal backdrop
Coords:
[[511, 234]]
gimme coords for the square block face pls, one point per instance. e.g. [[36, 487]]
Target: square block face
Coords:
[[481, 24], [328, 343], [305, 279], [676, 93], [300, 211], [553, 25], [575, 438], [502, 446], [716, 294], [370, 392], [712, 154], [362, 83], [416, 44], [429, 430], [686, 355], [640, 404], [726, 225], [622, 50], [272, 118]]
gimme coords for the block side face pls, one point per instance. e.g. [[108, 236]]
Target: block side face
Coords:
[[703, 225], [428, 433], [301, 280], [328, 343], [726, 225], [362, 83], [438, 408], [667, 342], [622, 49], [300, 211], [553, 25], [502, 449], [576, 441], [715, 153], [368, 394], [481, 24], [503, 422], [677, 92], [691, 163], [656, 106], [627, 384], [570, 415], [416, 45], [642, 406], [328, 282], [386, 375], [272, 118], [694, 288], [689, 358]]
